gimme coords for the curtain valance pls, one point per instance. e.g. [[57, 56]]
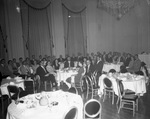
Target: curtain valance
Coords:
[[74, 6], [38, 4]]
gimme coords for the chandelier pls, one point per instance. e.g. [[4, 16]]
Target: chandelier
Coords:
[[117, 8]]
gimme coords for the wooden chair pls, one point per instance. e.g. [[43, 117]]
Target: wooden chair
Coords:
[[95, 83], [29, 86], [13, 91], [108, 88], [4, 101], [92, 109], [79, 84], [73, 90], [71, 113], [126, 99]]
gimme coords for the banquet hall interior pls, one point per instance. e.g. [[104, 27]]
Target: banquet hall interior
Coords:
[[58, 56]]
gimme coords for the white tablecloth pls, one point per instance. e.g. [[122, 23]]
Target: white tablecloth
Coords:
[[65, 101], [136, 84], [8, 81], [62, 75], [107, 67]]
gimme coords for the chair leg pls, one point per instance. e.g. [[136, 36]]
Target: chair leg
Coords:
[[113, 97], [119, 107], [117, 100], [133, 109], [92, 94], [87, 93], [137, 105], [104, 96]]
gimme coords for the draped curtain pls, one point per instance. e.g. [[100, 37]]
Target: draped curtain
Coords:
[[74, 26], [36, 24], [3, 36]]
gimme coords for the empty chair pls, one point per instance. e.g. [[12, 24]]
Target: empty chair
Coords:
[[92, 109], [95, 83], [79, 83], [108, 88], [13, 92], [127, 101], [71, 113], [73, 90], [89, 87], [29, 86]]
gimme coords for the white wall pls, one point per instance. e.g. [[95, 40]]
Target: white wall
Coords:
[[129, 34]]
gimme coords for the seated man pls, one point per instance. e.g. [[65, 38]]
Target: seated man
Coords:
[[136, 65], [44, 75], [68, 63]]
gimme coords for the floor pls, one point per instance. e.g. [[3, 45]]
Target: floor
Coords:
[[109, 111]]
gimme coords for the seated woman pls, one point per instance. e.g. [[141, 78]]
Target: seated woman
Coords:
[[81, 72], [56, 64], [145, 72], [50, 68]]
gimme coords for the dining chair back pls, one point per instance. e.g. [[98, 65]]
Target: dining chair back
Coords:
[[73, 90], [29, 86], [79, 84], [126, 100], [92, 109], [90, 87], [71, 113], [13, 91], [108, 88], [4, 101]]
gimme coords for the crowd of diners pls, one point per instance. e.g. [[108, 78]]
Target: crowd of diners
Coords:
[[46, 66]]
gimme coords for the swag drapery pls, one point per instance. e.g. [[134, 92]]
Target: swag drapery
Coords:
[[74, 19], [36, 27]]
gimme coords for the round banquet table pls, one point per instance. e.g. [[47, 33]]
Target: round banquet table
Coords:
[[134, 83], [62, 75], [108, 66], [30, 108]]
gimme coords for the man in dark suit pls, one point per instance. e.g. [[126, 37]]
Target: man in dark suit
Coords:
[[99, 67], [61, 59], [89, 68], [44, 75], [68, 63]]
